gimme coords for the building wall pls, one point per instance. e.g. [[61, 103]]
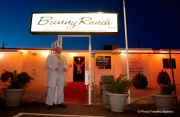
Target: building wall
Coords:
[[33, 62], [11, 61], [156, 65]]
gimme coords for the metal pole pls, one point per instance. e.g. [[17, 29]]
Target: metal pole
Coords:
[[60, 40], [174, 83], [126, 41], [89, 78]]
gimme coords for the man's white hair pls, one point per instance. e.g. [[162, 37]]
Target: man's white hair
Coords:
[[58, 47]]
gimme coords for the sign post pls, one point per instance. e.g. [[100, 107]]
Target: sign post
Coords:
[[126, 41]]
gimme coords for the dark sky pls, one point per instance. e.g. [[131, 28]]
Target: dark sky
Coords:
[[155, 23]]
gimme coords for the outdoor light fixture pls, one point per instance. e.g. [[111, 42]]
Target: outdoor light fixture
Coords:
[[1, 55], [73, 54], [45, 53]]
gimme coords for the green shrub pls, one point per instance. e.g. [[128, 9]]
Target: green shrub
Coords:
[[119, 85], [167, 89], [164, 82], [16, 81], [163, 78], [140, 81], [5, 76]]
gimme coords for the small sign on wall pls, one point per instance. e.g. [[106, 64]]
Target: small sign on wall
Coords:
[[103, 62], [135, 65]]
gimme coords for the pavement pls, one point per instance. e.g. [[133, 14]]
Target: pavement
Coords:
[[32, 109]]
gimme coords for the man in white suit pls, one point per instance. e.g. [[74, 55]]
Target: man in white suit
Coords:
[[57, 65]]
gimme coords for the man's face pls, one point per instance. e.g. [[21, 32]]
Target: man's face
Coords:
[[58, 50]]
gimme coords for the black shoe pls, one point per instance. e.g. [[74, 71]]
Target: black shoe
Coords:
[[61, 105], [49, 107]]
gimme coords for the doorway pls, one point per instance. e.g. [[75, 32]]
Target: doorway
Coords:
[[79, 69]]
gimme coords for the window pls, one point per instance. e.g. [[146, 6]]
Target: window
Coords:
[[167, 63]]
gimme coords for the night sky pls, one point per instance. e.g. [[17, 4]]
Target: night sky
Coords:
[[150, 23]]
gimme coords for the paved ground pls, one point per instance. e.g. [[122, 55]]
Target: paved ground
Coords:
[[40, 110]]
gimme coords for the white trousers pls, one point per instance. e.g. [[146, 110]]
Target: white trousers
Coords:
[[55, 94]]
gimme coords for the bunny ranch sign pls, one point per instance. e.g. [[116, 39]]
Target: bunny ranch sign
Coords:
[[74, 23]]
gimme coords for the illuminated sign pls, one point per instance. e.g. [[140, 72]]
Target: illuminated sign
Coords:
[[103, 62], [74, 23]]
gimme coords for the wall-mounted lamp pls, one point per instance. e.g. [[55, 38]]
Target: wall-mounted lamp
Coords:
[[45, 53], [123, 54], [1, 55], [73, 54]]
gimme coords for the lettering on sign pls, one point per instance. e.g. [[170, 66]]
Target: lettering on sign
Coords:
[[135, 65], [103, 62], [74, 22]]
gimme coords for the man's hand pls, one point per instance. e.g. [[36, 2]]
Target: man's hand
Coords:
[[56, 68], [64, 69]]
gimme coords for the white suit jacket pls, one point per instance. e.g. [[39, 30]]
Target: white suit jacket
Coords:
[[52, 63]]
